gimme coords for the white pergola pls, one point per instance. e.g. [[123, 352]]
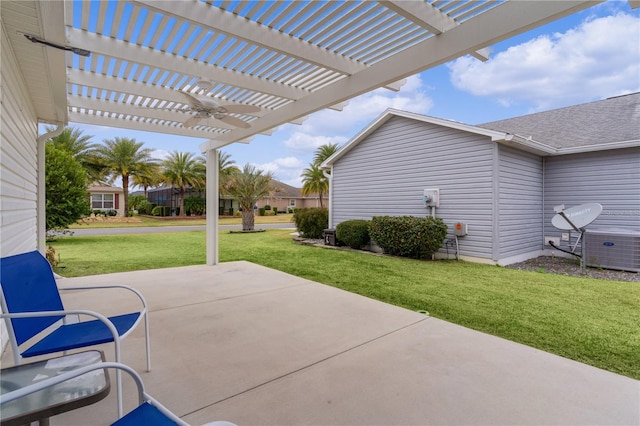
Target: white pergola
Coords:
[[287, 58]]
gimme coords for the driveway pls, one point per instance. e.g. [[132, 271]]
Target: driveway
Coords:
[[160, 229]]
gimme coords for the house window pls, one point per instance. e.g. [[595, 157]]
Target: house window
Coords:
[[292, 202], [102, 201]]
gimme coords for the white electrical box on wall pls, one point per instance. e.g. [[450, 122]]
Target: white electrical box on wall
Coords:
[[431, 197]]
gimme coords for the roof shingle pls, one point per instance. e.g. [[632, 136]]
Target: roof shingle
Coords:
[[611, 120]]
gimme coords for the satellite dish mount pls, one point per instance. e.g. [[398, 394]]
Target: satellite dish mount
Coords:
[[576, 218]]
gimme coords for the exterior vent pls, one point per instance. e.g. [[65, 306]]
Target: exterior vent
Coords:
[[613, 249]]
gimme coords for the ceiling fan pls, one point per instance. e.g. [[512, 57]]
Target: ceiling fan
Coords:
[[206, 108]]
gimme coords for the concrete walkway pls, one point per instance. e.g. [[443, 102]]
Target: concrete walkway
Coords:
[[255, 346]]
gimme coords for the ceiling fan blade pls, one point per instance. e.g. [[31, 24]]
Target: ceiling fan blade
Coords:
[[192, 121], [193, 101], [235, 122], [241, 109]]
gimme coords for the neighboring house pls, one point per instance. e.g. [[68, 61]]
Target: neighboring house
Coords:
[[501, 179], [106, 197], [285, 197]]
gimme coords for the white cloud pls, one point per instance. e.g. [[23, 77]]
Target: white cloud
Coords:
[[329, 126], [285, 169], [597, 59], [301, 141], [160, 154]]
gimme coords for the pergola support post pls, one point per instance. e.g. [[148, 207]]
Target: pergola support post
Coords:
[[213, 203]]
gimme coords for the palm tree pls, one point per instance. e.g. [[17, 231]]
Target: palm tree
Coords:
[[248, 186], [182, 169], [325, 151], [226, 168], [124, 157], [81, 149], [150, 178], [314, 181]]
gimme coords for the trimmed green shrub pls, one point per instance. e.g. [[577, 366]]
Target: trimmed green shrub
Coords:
[[267, 207], [311, 222], [157, 211], [408, 236], [195, 205], [275, 211], [135, 201], [261, 211], [353, 233], [145, 207], [166, 211]]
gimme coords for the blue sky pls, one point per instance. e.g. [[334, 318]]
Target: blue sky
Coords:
[[585, 57]]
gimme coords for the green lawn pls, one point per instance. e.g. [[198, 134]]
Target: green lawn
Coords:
[[588, 320]]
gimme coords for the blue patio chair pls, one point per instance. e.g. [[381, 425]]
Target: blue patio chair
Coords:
[[37, 321], [149, 411]]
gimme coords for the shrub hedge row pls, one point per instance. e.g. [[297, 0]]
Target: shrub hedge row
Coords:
[[311, 222], [408, 236], [353, 233]]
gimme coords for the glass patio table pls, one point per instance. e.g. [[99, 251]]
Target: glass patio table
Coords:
[[66, 396]]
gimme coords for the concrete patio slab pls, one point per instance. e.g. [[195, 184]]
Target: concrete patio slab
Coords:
[[252, 345]]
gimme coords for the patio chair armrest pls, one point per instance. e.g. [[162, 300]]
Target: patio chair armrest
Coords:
[[98, 287], [51, 381], [97, 315]]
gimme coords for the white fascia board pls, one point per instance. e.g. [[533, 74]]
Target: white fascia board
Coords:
[[154, 59], [600, 147], [526, 144], [389, 113], [52, 16]]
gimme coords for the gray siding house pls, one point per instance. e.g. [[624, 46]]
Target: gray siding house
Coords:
[[502, 179]]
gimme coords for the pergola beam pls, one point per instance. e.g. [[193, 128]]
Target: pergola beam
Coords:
[[112, 47], [429, 18], [497, 24]]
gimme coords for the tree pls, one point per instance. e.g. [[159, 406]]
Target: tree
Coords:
[[151, 177], [182, 169], [81, 149], [248, 186], [314, 182], [313, 178], [226, 169], [124, 157], [67, 199], [325, 151]]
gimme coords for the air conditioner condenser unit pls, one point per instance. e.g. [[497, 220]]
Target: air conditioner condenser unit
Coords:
[[613, 248]]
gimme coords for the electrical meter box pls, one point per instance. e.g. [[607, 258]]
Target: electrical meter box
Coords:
[[459, 229], [431, 197]]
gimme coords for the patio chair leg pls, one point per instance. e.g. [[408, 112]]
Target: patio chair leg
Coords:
[[118, 379], [146, 331]]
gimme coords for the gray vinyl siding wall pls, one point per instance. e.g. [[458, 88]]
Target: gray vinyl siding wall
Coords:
[[611, 178], [386, 173], [18, 161], [520, 209]]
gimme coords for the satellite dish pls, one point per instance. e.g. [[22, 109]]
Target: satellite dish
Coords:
[[577, 216]]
